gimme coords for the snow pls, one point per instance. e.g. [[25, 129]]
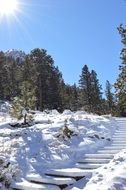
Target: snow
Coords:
[[25, 185], [111, 176], [42, 148], [74, 172], [16, 54], [50, 180]]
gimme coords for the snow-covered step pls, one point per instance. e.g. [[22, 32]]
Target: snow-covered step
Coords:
[[99, 156], [120, 135], [119, 140], [69, 172], [88, 166], [113, 148], [122, 139], [108, 151], [94, 160], [50, 179], [121, 127], [26, 185], [118, 144], [120, 132]]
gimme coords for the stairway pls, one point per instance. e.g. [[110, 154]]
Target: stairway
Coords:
[[57, 179]]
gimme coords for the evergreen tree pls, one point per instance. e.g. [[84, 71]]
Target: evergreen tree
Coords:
[[46, 74], [85, 89], [74, 98], [96, 94], [110, 97], [2, 62], [23, 103], [54, 100], [11, 78], [120, 84]]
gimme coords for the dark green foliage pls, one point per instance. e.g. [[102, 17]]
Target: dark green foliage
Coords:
[[36, 83], [85, 89], [96, 94], [48, 79], [25, 102], [37, 73], [120, 84], [66, 131], [69, 96], [90, 96], [110, 99]]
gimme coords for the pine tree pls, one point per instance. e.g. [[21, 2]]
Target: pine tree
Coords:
[[74, 98], [120, 84], [48, 80], [22, 104], [96, 94], [53, 91], [2, 62], [85, 89], [44, 66], [110, 98]]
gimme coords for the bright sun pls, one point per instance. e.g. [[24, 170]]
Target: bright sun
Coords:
[[8, 7]]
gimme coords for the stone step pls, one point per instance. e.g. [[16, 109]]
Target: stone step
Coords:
[[108, 151], [26, 185], [68, 172], [88, 166], [94, 160], [99, 156], [50, 179]]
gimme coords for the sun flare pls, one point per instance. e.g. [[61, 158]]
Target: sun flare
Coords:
[[8, 7]]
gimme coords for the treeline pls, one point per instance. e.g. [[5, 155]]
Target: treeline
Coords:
[[39, 84]]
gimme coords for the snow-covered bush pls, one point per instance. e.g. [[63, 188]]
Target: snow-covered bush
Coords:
[[16, 108], [8, 171], [65, 132]]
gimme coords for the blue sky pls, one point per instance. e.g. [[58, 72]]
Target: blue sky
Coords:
[[74, 32]]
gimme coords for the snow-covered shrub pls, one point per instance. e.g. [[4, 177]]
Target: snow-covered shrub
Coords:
[[65, 132], [7, 172], [16, 108], [107, 116]]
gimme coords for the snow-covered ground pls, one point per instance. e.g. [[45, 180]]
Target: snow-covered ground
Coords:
[[44, 146]]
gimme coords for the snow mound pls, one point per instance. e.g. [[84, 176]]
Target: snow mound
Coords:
[[67, 112]]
